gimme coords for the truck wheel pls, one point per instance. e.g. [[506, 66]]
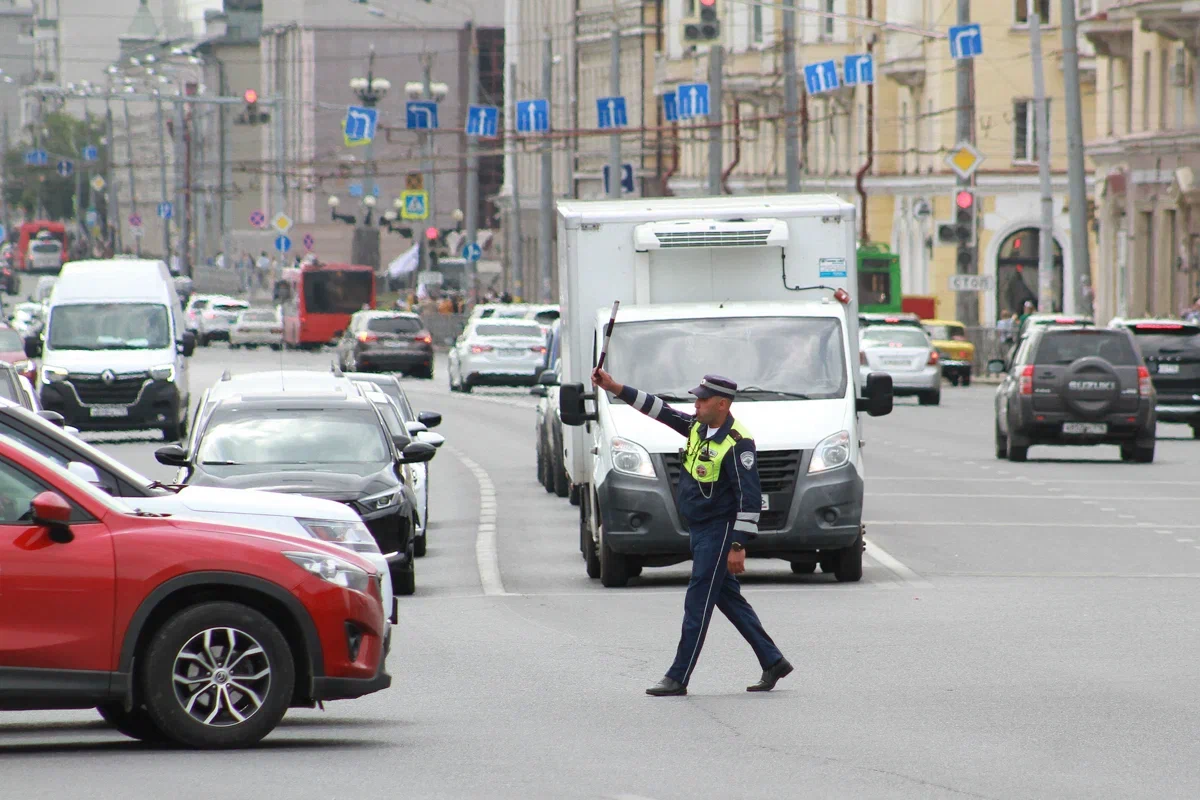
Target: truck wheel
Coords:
[[804, 567], [828, 563], [464, 386], [586, 545], [1018, 452], [966, 379], [930, 398], [1144, 455], [573, 495], [136, 724], [404, 581], [953, 379], [848, 567], [541, 462], [419, 545], [547, 471], [562, 484], [614, 569], [242, 702], [1001, 443]]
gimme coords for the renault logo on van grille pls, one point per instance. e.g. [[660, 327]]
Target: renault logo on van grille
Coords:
[[108, 376]]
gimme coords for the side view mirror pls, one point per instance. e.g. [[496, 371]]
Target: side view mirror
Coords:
[[416, 427], [54, 417], [33, 346], [538, 390], [429, 437], [51, 511], [171, 456], [548, 378], [417, 453], [186, 344], [877, 396], [430, 419], [572, 408], [996, 365], [85, 472]]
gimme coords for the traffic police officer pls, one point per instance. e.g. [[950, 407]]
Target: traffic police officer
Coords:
[[720, 501]]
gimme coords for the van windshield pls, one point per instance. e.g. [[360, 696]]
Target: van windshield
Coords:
[[770, 358], [109, 326]]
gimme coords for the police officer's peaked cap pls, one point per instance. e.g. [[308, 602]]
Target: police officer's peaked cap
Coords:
[[715, 386]]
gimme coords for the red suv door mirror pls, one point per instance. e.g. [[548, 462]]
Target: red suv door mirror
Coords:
[[52, 511]]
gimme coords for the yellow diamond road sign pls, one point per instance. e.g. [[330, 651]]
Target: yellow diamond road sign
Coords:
[[282, 222], [98, 183], [964, 159]]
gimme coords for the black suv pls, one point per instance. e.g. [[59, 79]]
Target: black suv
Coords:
[[332, 446], [1075, 386], [1172, 352]]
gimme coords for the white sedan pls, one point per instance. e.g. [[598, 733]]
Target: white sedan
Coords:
[[497, 352], [908, 355], [256, 326]]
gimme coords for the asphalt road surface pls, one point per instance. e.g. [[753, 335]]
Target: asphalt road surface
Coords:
[[1021, 631]]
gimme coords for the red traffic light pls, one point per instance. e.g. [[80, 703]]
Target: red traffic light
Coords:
[[431, 233], [964, 199], [250, 96]]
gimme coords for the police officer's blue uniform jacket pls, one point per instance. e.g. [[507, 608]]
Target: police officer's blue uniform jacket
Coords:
[[735, 493]]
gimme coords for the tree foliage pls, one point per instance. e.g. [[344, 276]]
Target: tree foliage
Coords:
[[62, 136]]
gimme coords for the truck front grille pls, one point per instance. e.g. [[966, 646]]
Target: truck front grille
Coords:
[[123, 391], [777, 474]]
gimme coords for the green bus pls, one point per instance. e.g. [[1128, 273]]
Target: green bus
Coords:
[[878, 279]]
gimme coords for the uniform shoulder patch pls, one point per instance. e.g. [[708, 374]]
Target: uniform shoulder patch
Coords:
[[737, 437], [747, 459]]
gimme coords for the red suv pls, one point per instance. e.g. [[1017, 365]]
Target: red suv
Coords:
[[187, 631]]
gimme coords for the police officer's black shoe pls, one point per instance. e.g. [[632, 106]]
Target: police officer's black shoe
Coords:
[[667, 687], [771, 676]]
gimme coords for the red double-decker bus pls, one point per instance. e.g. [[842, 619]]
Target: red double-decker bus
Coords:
[[318, 300]]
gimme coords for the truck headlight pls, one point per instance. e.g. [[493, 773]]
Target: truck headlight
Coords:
[[831, 453], [332, 569], [166, 372], [630, 458], [53, 374], [351, 535]]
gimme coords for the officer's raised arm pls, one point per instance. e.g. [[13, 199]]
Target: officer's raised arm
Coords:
[[648, 404]]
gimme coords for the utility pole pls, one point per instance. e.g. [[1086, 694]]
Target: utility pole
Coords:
[[791, 97], [1081, 261], [472, 215], [183, 187], [1041, 127], [112, 214], [162, 172], [133, 201], [281, 150], [517, 265], [364, 247], [4, 178], [716, 139], [427, 161], [546, 239], [614, 87], [966, 303]]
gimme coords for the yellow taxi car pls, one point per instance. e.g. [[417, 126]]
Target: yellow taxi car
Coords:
[[956, 353]]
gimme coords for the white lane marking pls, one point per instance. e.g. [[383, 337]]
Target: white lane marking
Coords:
[[1108, 510], [1056, 497], [974, 524], [487, 559], [895, 566], [1185, 540], [1125, 516], [960, 478], [1165, 533]]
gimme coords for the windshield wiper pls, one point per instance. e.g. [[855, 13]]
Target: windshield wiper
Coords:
[[780, 392], [222, 463]]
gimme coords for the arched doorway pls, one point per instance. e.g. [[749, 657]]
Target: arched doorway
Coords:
[[1017, 272]]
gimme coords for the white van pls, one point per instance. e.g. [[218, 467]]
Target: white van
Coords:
[[114, 348]]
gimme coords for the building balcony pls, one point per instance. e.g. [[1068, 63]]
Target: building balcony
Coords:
[[1178, 20], [907, 71], [1110, 33]]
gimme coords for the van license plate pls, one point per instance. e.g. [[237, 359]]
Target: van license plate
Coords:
[[1085, 427], [110, 411], [766, 502], [1168, 369]]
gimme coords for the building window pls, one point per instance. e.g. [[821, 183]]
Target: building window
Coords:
[[1110, 96], [903, 137], [1025, 130], [1021, 11], [827, 21], [1164, 80], [756, 25], [689, 8], [1146, 90]]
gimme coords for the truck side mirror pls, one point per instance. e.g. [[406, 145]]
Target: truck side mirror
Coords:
[[187, 344], [877, 395], [572, 409], [33, 346]]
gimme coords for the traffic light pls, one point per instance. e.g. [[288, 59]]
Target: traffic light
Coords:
[[251, 115], [705, 29], [964, 218]]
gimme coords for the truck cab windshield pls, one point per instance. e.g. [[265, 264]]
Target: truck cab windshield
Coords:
[[774, 358], [109, 326]]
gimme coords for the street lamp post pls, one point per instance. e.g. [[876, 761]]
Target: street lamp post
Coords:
[[364, 248]]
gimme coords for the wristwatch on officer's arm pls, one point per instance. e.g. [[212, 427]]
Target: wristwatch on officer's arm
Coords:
[[737, 547]]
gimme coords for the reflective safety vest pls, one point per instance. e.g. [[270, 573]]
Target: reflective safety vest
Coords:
[[702, 459]]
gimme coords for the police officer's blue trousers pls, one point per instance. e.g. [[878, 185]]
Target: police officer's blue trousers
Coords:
[[712, 585]]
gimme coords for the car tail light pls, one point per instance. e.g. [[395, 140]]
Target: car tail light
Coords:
[[1144, 385], [1158, 326], [538, 348], [481, 348], [424, 338], [366, 337], [862, 358], [933, 359], [1026, 381]]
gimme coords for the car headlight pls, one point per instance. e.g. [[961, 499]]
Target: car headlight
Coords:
[[351, 535], [164, 373], [332, 569], [382, 500], [831, 453], [53, 374], [631, 458]]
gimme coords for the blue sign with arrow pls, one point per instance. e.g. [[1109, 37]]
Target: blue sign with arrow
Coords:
[[36, 158], [90, 153], [966, 41], [626, 178], [821, 76], [283, 243], [533, 116], [355, 190], [64, 168], [472, 252], [610, 112], [670, 107], [858, 69], [166, 210], [360, 125], [482, 120], [692, 100], [421, 115]]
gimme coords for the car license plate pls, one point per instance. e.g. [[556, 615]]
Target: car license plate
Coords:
[[109, 411], [1085, 427], [896, 362], [393, 344], [766, 502], [1168, 369], [511, 351]]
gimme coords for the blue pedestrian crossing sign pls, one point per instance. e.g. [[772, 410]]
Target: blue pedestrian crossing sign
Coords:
[[355, 190], [90, 217], [415, 205], [472, 252], [533, 116], [692, 100], [90, 153], [283, 243], [858, 70], [670, 107], [821, 76], [966, 41], [421, 115], [64, 168], [610, 112], [166, 210], [483, 121], [626, 178], [360, 125], [36, 158]]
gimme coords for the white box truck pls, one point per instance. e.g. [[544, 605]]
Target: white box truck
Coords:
[[758, 289]]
